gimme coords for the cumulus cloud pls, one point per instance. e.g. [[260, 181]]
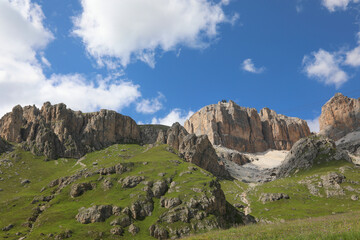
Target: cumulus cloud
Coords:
[[118, 32], [314, 125], [325, 67], [333, 5], [249, 66], [176, 115], [353, 57], [150, 106], [23, 38]]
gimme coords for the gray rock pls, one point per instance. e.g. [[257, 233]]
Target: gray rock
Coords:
[[354, 197], [170, 202], [133, 229], [271, 197], [78, 189], [25, 181], [159, 188], [123, 220], [8, 227], [131, 181], [142, 208], [158, 232], [97, 213], [117, 231]]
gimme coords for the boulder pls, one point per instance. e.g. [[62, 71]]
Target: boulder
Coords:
[[117, 231], [170, 202], [133, 229], [98, 213], [272, 197], [55, 131], [159, 188], [158, 232], [339, 116], [244, 129], [78, 189], [131, 181]]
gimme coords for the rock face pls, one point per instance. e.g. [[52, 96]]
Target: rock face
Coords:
[[308, 152], [194, 149], [339, 116], [55, 131], [246, 130], [150, 133]]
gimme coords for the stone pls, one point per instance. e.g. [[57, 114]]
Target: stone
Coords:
[[141, 208], [150, 133], [131, 181], [97, 213], [78, 189], [123, 220], [246, 130], [231, 155], [339, 116], [170, 202], [159, 188], [8, 227], [158, 232], [107, 184], [116, 210], [272, 197], [25, 181], [354, 197], [133, 229], [332, 179], [56, 131], [117, 231]]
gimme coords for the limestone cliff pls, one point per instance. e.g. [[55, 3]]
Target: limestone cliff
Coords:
[[56, 131], [339, 116], [246, 130]]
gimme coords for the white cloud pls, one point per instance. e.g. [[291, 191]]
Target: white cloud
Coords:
[[249, 66], [314, 125], [23, 38], [353, 57], [324, 67], [176, 115], [333, 5], [128, 30], [150, 106]]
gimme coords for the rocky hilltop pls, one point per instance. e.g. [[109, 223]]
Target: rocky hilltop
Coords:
[[339, 116], [246, 130], [56, 131]]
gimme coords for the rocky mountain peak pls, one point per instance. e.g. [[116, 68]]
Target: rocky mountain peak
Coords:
[[56, 131], [339, 116], [244, 129]]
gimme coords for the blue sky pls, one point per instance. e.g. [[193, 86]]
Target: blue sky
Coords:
[[159, 61]]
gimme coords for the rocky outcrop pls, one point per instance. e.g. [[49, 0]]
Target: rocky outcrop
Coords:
[[55, 131], [308, 152], [272, 197], [94, 214], [339, 116], [150, 133], [231, 155], [194, 149], [246, 130]]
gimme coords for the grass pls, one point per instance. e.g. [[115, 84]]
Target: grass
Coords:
[[340, 226], [15, 199]]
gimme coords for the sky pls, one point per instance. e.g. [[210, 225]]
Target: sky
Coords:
[[160, 61]]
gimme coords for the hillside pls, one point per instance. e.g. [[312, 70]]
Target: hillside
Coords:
[[147, 187]]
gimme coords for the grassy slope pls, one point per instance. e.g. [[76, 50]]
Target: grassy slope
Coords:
[[330, 218], [15, 199]]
